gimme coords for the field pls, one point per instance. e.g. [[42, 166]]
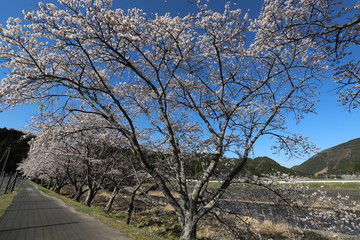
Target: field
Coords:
[[332, 185], [316, 212]]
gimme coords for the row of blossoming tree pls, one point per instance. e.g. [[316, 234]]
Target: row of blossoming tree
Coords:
[[85, 153], [171, 84]]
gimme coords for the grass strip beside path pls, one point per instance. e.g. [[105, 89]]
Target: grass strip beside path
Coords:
[[131, 231], [5, 201]]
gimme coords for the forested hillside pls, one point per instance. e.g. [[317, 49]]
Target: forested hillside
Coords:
[[341, 159], [17, 141], [266, 165]]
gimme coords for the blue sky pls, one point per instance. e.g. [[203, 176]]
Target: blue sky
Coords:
[[333, 124]]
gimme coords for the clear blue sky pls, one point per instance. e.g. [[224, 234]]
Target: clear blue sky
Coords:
[[333, 124]]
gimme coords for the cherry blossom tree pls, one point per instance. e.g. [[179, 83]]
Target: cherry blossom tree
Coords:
[[196, 84], [46, 160], [338, 31], [79, 151], [349, 80]]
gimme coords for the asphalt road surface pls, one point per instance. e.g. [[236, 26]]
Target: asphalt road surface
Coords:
[[36, 216]]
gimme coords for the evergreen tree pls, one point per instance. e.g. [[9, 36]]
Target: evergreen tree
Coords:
[[18, 143]]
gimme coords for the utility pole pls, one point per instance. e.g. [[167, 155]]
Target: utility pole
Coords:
[[14, 183], [4, 157], [8, 183]]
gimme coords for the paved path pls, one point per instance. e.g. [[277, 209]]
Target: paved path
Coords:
[[36, 216]]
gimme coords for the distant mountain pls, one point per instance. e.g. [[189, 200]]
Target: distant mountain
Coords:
[[257, 166], [266, 165], [341, 159]]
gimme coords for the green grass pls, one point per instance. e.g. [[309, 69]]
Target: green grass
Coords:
[[112, 220], [5, 201], [339, 186], [216, 185]]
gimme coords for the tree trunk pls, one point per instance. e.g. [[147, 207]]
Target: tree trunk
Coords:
[[189, 229], [90, 196], [78, 191], [53, 186], [58, 188], [59, 184], [130, 208], [111, 200], [131, 202], [77, 195], [49, 184]]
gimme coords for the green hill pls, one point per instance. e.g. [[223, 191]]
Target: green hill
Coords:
[[257, 166], [341, 159], [265, 165], [18, 143]]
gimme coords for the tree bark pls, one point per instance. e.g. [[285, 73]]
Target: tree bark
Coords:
[[49, 184], [132, 199], [79, 192], [111, 200], [189, 229], [130, 208], [90, 196], [78, 196], [57, 188]]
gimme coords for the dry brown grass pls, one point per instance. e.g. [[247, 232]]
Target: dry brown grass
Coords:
[[161, 194], [168, 208], [281, 230], [159, 219]]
